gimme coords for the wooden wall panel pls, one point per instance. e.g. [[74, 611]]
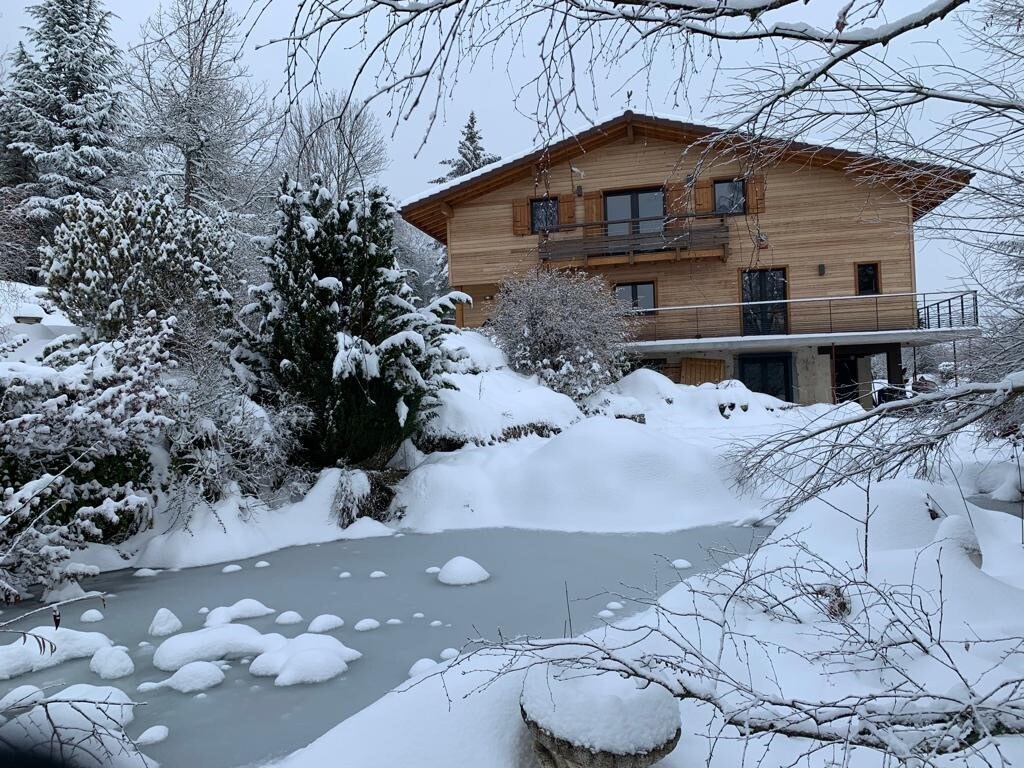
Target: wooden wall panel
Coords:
[[698, 370]]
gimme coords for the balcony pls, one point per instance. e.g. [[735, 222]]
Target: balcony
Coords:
[[605, 241], [895, 317]]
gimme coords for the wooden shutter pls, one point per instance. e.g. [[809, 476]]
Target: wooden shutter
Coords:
[[593, 214], [566, 210], [676, 207], [703, 196], [754, 190], [698, 370], [520, 217]]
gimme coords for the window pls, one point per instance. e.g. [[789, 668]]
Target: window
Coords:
[[543, 214], [868, 280], [637, 295], [730, 197], [636, 211]]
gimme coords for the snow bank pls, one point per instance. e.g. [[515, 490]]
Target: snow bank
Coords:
[[26, 655], [461, 571], [248, 528], [601, 474], [603, 712], [308, 658]]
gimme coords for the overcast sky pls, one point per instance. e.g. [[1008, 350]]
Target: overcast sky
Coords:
[[490, 91]]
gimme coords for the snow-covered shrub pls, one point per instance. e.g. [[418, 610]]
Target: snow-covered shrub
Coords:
[[341, 331], [75, 433], [109, 265], [566, 327]]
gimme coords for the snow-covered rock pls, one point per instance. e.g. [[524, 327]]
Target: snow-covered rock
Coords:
[[246, 608], [190, 678], [21, 656], [91, 616], [461, 571], [111, 663], [325, 622], [421, 667], [308, 658], [289, 617], [227, 641], [164, 623], [152, 735], [365, 625]]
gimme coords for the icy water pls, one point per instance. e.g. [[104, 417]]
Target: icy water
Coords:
[[247, 721]]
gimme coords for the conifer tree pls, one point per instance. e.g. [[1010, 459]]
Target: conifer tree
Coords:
[[341, 330], [472, 155], [61, 110]]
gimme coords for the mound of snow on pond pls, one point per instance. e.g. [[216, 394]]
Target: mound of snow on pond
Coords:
[[422, 666], [245, 528], [603, 712], [246, 608], [164, 623], [365, 625], [308, 658], [24, 654], [191, 678], [601, 475], [228, 641], [112, 662], [325, 622], [152, 735], [461, 571], [289, 617], [91, 616]]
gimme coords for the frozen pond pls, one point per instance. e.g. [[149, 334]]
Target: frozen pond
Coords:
[[246, 720]]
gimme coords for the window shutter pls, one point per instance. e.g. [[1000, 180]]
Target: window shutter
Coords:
[[703, 196], [566, 210], [593, 214], [676, 208], [754, 191], [520, 217]]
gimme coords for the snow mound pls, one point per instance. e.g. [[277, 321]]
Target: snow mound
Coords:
[[289, 617], [152, 735], [605, 614], [261, 564], [228, 641], [22, 696], [325, 622], [449, 653], [345, 575], [378, 575], [433, 569], [481, 354], [422, 667], [614, 605], [393, 622], [233, 568], [461, 571], [91, 616], [605, 403], [307, 658], [246, 608], [111, 663], [493, 406], [21, 656], [365, 625], [681, 563], [143, 572], [164, 623], [190, 678], [600, 711], [647, 388], [625, 477]]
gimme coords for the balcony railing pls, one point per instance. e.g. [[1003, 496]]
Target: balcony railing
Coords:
[[643, 235], [836, 314]]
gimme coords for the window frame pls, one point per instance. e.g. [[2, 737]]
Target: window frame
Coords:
[[634, 208], [550, 200], [878, 278], [714, 197], [633, 284]]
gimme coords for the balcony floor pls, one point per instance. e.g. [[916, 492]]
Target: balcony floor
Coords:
[[910, 337]]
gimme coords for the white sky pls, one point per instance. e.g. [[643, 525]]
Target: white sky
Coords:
[[490, 91]]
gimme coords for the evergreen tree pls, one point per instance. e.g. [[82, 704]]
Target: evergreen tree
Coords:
[[472, 155], [62, 113], [341, 330]]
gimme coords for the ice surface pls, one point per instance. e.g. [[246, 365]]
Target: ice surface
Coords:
[[461, 571]]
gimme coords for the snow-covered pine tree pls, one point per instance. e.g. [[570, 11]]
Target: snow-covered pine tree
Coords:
[[341, 330], [62, 111], [472, 155]]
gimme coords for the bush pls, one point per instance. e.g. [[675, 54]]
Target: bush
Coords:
[[567, 328]]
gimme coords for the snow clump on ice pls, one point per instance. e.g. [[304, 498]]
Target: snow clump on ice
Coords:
[[164, 623], [461, 571]]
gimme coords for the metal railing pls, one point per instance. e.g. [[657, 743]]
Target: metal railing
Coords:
[[642, 235], [832, 314]]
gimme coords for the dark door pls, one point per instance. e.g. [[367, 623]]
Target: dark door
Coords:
[[770, 374], [847, 388], [764, 286]]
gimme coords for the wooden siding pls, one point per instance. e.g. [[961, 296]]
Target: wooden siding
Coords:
[[810, 216], [698, 370]]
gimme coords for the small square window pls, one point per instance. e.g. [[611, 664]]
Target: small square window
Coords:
[[544, 215], [639, 296], [868, 280], [730, 197]]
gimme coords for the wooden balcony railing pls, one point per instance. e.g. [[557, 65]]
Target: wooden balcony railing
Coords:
[[835, 314], [644, 235]]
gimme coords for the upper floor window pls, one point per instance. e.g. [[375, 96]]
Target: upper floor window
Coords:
[[868, 279], [544, 214], [730, 196], [635, 211], [639, 296]]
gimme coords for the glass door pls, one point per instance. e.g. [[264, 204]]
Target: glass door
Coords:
[[770, 374], [761, 287]]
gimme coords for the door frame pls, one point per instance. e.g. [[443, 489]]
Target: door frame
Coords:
[[739, 285]]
